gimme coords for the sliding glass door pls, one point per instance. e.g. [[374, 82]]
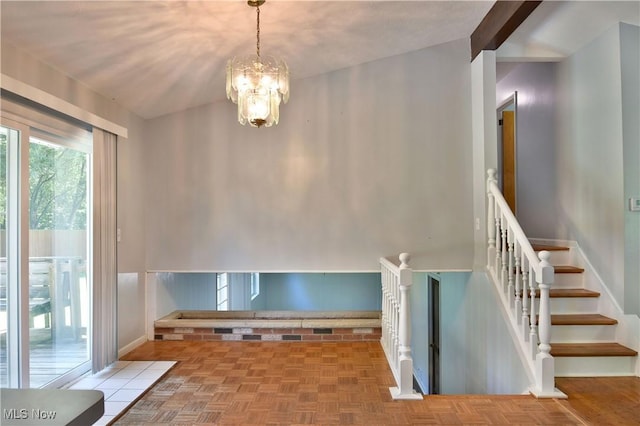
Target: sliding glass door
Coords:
[[59, 299], [9, 365], [45, 290]]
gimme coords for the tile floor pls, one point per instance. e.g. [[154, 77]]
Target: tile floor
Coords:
[[122, 383]]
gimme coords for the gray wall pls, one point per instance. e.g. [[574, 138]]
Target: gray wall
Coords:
[[131, 210], [363, 164], [591, 167], [535, 144], [131, 213], [319, 292]]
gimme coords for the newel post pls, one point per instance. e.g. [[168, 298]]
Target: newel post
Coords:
[[545, 369], [405, 361], [491, 213]]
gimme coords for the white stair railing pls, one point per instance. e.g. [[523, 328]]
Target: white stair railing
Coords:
[[396, 325], [517, 271]]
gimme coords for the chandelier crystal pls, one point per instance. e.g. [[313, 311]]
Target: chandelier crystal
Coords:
[[257, 83]]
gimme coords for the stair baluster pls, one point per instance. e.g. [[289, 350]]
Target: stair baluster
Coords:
[[525, 299], [533, 329], [510, 256], [504, 259], [491, 228], [518, 301]]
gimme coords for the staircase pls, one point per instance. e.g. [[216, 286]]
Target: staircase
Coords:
[[563, 318], [583, 340]]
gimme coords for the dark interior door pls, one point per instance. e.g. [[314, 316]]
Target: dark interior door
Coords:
[[434, 336]]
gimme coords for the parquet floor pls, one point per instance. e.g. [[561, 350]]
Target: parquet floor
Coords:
[[340, 383]]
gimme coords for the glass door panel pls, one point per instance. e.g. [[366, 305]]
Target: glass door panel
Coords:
[[10, 361], [4, 353], [59, 294]]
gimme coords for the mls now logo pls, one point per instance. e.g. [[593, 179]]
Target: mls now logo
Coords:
[[23, 414], [15, 414], [42, 415]]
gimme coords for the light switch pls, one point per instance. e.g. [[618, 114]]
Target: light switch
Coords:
[[634, 204]]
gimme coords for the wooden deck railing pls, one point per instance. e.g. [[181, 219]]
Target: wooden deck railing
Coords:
[[54, 292]]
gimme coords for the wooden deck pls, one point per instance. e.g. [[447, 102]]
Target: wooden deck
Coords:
[[47, 359], [342, 383]]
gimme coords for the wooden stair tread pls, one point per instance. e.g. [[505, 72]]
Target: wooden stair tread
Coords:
[[567, 269], [590, 349], [546, 247], [582, 319], [570, 292]]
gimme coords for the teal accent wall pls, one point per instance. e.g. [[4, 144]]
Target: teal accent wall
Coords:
[[319, 292]]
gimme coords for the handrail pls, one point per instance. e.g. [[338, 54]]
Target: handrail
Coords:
[[396, 325], [519, 234], [390, 265], [515, 269]]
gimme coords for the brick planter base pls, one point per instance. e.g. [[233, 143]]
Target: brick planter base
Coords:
[[269, 326]]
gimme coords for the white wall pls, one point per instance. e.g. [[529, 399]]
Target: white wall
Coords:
[[492, 363], [535, 144], [363, 164], [590, 165], [630, 66], [485, 145]]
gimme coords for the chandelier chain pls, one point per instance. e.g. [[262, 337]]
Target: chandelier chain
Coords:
[[258, 31]]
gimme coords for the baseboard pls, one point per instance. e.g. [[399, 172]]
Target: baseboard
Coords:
[[131, 346], [416, 385]]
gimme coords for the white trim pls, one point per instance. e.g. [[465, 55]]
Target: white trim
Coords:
[[151, 284], [292, 271], [131, 346], [58, 104]]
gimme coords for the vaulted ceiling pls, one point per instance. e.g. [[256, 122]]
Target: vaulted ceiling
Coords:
[[158, 57]]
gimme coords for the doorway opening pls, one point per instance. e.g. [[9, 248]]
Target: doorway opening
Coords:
[[433, 283], [507, 177]]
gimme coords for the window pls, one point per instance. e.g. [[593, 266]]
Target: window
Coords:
[[222, 292], [255, 285]]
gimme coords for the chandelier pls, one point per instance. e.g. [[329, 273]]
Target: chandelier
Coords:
[[257, 83]]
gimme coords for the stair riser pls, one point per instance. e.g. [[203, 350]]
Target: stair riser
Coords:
[[582, 333], [573, 305], [594, 366], [568, 281], [564, 281], [561, 257]]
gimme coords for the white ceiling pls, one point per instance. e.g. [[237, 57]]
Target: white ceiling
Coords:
[[158, 57], [556, 29]]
